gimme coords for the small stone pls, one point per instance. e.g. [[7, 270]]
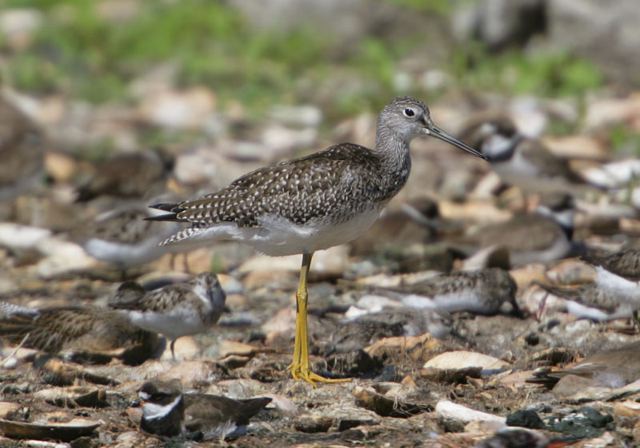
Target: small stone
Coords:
[[313, 423], [463, 359], [387, 407], [189, 372], [186, 109], [186, 347], [452, 411], [7, 408], [303, 115], [526, 419], [415, 347]]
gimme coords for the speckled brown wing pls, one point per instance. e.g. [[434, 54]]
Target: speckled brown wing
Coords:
[[522, 233], [588, 295], [281, 190], [159, 300], [442, 284], [20, 145], [56, 329], [625, 263], [547, 164], [124, 226]]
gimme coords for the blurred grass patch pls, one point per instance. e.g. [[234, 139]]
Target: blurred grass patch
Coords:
[[625, 141], [545, 74], [82, 52]]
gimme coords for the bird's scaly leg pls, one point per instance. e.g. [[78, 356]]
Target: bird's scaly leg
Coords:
[[300, 368]]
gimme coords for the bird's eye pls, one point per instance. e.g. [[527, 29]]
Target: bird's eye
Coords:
[[409, 112]]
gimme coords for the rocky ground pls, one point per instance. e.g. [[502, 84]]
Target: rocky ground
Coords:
[[414, 382], [418, 377]]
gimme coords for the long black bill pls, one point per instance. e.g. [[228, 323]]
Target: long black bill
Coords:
[[440, 134]]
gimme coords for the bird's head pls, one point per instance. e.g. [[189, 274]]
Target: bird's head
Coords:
[[409, 118], [207, 285], [495, 136]]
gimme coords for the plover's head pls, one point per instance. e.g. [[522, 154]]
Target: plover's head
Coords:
[[408, 118], [207, 285], [162, 408], [496, 137]]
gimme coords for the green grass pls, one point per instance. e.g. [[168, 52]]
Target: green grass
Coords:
[[81, 54], [542, 74], [624, 140]]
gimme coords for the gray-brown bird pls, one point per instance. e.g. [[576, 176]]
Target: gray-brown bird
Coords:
[[311, 203]]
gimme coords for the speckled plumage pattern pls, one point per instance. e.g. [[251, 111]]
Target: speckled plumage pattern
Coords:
[[175, 310], [590, 295], [332, 187], [71, 328], [625, 263], [485, 290]]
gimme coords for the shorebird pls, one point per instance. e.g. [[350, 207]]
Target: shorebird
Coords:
[[124, 239], [311, 203], [75, 330], [539, 237], [21, 151], [480, 292], [415, 221], [590, 301], [614, 367], [132, 175], [169, 412], [176, 310], [521, 161]]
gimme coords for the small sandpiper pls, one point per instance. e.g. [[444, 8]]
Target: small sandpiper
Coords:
[[480, 292], [72, 330], [128, 175], [21, 151], [168, 412], [123, 239], [521, 161], [590, 301], [540, 237], [312, 203], [175, 310]]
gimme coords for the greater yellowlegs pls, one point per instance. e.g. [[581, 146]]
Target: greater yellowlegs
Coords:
[[312, 203], [176, 310]]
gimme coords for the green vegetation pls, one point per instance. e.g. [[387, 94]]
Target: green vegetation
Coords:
[[624, 140], [543, 74], [81, 52]]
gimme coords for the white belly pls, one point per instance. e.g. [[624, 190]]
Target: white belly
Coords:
[[278, 237], [172, 325]]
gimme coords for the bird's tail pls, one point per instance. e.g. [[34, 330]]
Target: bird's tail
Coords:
[[171, 207], [251, 407]]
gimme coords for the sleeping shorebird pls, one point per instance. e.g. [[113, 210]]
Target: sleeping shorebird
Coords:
[[311, 203], [540, 237], [169, 412]]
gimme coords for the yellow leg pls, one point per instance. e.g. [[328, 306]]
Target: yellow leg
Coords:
[[300, 368]]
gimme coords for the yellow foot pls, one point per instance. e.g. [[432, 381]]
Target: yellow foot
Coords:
[[305, 374]]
